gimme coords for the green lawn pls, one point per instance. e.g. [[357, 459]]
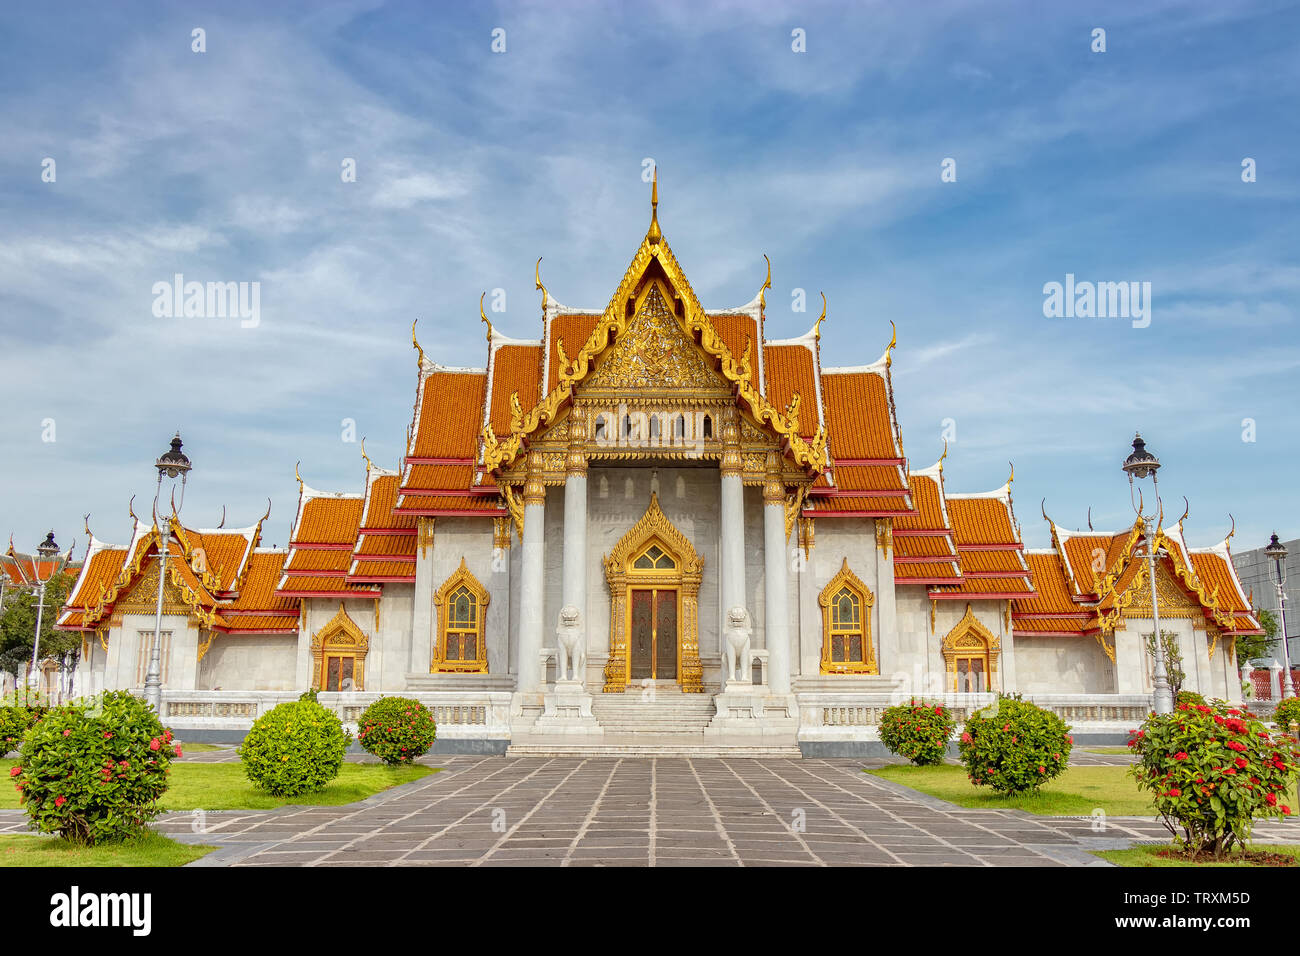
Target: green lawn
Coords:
[[223, 786], [1077, 792], [1149, 856], [188, 748], [1107, 750], [150, 850]]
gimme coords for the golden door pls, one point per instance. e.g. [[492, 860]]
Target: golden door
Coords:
[[652, 632]]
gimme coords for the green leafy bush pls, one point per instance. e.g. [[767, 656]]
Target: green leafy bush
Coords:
[[1190, 697], [1016, 748], [1286, 713], [1212, 771], [15, 720], [396, 729], [294, 748], [309, 694], [918, 731], [94, 771]]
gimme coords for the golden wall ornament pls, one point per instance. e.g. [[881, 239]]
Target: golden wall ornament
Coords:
[[501, 534], [807, 533], [654, 527], [204, 645], [970, 638], [424, 526], [534, 487], [340, 635], [884, 535], [843, 579], [516, 508], [461, 577], [793, 506]]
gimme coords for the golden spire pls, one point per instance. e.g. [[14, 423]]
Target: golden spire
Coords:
[[943, 456], [889, 359], [654, 235], [1232, 530], [1090, 527], [222, 524], [298, 476], [415, 342], [130, 509], [537, 276], [767, 284], [1012, 476], [817, 326], [86, 521], [1187, 509], [364, 455], [483, 315]]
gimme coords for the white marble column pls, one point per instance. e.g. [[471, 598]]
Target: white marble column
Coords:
[[531, 579], [573, 587], [776, 583], [732, 523]]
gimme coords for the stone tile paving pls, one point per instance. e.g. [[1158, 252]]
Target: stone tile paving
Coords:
[[522, 811]]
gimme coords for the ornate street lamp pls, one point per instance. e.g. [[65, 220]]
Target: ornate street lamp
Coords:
[[1139, 465], [46, 551], [1277, 551], [171, 464]]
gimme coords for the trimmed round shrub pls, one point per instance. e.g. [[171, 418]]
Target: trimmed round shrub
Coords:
[[296, 747], [94, 772], [15, 720], [918, 731], [1189, 697], [1286, 714], [1015, 748], [396, 729], [1212, 772]]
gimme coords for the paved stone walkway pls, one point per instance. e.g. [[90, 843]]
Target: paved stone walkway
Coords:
[[519, 811]]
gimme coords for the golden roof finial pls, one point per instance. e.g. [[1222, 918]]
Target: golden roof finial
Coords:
[[767, 284], [817, 326], [298, 476], [537, 276], [415, 342], [1232, 530], [483, 315], [364, 455], [1043, 507], [86, 521], [222, 524], [889, 359], [943, 456], [1012, 477], [130, 509], [1090, 527], [1187, 509], [654, 235]]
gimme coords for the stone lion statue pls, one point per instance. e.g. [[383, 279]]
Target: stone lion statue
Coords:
[[571, 661], [736, 646]]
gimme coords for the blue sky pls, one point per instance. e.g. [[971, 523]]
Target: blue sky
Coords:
[[225, 166]]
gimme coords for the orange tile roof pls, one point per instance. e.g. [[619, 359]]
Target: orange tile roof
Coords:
[[258, 592], [869, 478], [915, 546], [992, 562], [1215, 570], [224, 551], [382, 571], [1084, 552], [975, 585], [981, 521], [930, 514], [312, 559], [451, 415], [1052, 626], [735, 329], [925, 571], [453, 504], [858, 415], [328, 519], [829, 506], [312, 586], [386, 546], [102, 569], [515, 369], [260, 624], [1053, 591], [440, 477], [790, 369], [574, 330], [380, 502]]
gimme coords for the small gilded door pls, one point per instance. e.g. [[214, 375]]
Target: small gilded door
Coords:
[[652, 633]]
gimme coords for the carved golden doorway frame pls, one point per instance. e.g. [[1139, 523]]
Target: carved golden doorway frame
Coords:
[[654, 556]]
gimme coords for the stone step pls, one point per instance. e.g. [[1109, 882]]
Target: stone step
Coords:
[[661, 749]]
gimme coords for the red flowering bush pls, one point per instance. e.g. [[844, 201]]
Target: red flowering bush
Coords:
[[95, 771], [1286, 714], [15, 720], [1212, 771], [918, 731], [296, 747], [396, 729], [1016, 748]]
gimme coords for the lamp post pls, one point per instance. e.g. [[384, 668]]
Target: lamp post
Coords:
[[1138, 465], [47, 550], [1277, 551], [171, 463]]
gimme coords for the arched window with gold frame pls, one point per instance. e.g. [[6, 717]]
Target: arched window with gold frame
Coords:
[[846, 604], [970, 652], [339, 654], [462, 610]]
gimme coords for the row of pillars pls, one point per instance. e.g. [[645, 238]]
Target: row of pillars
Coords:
[[731, 553]]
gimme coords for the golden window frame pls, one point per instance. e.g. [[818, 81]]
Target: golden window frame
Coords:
[[340, 637], [971, 639], [462, 577], [845, 578]]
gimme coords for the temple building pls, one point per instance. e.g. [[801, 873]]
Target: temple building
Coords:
[[654, 530]]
